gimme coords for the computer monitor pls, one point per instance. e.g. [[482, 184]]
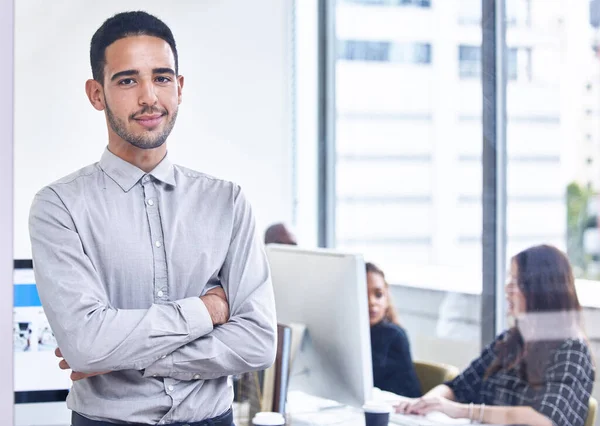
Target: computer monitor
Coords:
[[326, 291], [37, 377]]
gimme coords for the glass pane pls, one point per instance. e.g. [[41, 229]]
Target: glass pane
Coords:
[[408, 170], [553, 179]]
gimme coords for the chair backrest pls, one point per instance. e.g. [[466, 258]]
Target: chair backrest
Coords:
[[592, 409], [431, 374]]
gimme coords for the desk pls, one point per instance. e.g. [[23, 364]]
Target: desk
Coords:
[[307, 410]]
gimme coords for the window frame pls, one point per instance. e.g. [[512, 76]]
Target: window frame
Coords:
[[494, 160]]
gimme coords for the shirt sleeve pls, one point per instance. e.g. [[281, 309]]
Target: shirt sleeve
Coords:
[[568, 384], [247, 342], [92, 335], [467, 385], [402, 378]]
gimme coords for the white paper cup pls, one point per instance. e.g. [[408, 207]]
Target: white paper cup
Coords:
[[268, 419]]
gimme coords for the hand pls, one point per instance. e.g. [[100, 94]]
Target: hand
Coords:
[[75, 375], [427, 404], [216, 303]]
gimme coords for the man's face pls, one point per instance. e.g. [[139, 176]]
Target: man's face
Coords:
[[141, 91]]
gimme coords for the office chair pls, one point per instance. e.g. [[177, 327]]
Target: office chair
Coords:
[[431, 374]]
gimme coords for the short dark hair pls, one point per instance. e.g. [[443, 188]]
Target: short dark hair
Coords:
[[123, 25]]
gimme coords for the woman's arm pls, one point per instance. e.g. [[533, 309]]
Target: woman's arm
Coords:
[[443, 391], [510, 415], [479, 413]]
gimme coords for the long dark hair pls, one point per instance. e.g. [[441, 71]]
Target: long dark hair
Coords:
[[390, 314], [546, 280]]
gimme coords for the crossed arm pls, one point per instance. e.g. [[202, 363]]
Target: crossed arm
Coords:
[[95, 337]]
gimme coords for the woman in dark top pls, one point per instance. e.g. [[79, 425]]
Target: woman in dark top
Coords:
[[540, 372], [393, 369]]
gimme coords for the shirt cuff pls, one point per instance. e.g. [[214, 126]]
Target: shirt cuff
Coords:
[[195, 313]]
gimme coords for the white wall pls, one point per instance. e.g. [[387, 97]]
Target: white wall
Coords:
[[234, 121], [6, 191]]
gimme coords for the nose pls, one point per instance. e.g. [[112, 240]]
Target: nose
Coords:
[[147, 94]]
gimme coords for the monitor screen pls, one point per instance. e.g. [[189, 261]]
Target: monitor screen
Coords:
[[37, 377]]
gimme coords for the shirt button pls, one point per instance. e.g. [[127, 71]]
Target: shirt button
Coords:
[[150, 202], [159, 293], [155, 375], [146, 178], [170, 388], [157, 244], [163, 357], [196, 376]]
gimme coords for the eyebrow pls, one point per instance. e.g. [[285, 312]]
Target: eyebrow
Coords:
[[130, 73]]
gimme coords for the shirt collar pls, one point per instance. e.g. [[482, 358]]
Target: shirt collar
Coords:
[[126, 175]]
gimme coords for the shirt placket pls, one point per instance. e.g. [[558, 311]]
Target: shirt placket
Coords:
[[159, 257]]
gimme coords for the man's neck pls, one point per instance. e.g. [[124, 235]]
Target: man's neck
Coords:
[[144, 159]]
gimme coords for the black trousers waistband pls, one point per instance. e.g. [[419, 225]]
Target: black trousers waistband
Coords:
[[222, 420]]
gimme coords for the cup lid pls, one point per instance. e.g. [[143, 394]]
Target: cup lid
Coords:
[[377, 407], [268, 419]]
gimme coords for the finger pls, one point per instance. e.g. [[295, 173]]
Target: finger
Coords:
[[218, 291], [75, 375], [403, 407], [419, 405], [428, 407], [58, 353], [64, 365]]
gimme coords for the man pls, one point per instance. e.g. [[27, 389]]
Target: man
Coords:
[[151, 275], [278, 233]]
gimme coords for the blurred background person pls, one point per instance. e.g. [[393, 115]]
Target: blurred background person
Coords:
[[279, 233], [393, 368], [539, 372]]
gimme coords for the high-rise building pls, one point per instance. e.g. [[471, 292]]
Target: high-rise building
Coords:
[[409, 127]]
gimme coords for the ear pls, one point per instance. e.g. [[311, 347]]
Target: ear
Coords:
[[179, 88], [95, 93]]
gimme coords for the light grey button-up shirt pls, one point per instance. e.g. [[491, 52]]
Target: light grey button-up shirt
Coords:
[[121, 258]]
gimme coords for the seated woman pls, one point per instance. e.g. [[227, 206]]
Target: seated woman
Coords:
[[539, 372], [393, 369]]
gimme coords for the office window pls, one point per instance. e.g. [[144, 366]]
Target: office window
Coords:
[[518, 62], [403, 197], [469, 61], [556, 203], [384, 51], [518, 12]]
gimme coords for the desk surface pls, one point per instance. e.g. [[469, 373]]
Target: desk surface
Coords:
[[348, 416], [307, 410]]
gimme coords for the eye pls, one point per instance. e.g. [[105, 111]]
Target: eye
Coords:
[[163, 79], [126, 82], [379, 294]]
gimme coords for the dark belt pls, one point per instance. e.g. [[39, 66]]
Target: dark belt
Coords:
[[222, 420]]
